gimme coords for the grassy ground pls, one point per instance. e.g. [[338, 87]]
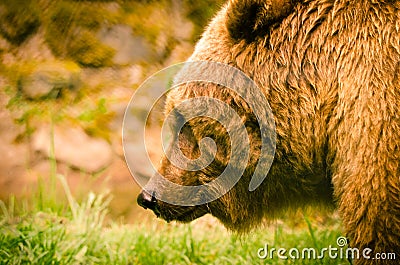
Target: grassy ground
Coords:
[[52, 227], [78, 233]]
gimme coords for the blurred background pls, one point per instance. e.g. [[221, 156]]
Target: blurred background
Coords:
[[67, 71]]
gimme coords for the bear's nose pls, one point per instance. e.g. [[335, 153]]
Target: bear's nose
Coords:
[[147, 200]]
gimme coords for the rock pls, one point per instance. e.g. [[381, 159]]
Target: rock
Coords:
[[50, 77], [129, 49], [183, 28], [135, 74], [139, 165], [35, 49], [181, 52], [74, 147]]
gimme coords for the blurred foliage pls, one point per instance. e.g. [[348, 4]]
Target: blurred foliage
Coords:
[[27, 112], [87, 50], [94, 1], [18, 20], [72, 30], [57, 75], [92, 115], [95, 119], [201, 12], [71, 26], [138, 15]]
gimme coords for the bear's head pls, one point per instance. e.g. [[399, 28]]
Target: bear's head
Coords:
[[208, 141]]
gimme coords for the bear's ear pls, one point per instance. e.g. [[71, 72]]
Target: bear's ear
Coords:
[[247, 19]]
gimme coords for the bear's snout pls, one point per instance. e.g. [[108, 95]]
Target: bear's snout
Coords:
[[147, 200]]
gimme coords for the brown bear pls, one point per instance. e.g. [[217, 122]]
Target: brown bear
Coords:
[[330, 70]]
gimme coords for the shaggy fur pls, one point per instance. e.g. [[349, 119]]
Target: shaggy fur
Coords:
[[330, 70]]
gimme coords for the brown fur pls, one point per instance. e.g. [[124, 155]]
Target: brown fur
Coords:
[[331, 73]]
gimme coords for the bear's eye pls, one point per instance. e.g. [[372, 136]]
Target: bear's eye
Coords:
[[176, 121], [185, 130]]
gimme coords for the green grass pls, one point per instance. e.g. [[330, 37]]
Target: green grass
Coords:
[[55, 228], [79, 234]]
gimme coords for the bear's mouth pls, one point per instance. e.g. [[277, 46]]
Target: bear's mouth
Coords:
[[170, 212], [182, 214]]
